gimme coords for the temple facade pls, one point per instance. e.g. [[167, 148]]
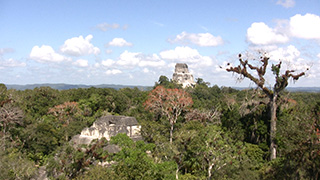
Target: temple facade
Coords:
[[182, 75]]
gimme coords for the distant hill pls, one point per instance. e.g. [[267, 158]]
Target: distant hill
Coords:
[[73, 86], [303, 89], [291, 89], [117, 86]]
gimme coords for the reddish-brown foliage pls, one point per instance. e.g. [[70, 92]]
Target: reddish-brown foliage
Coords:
[[169, 103], [64, 111]]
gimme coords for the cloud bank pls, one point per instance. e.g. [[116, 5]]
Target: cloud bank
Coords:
[[286, 3], [298, 26], [200, 39]]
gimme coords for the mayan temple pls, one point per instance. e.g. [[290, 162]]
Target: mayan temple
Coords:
[[182, 76]]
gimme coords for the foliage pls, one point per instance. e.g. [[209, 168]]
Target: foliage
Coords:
[[165, 82], [10, 116], [205, 97], [37, 102], [40, 140], [69, 162], [169, 103], [223, 134], [134, 161], [14, 165], [206, 151], [3, 94], [299, 147], [98, 173]]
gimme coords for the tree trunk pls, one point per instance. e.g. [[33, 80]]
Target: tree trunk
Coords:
[[209, 170], [177, 173], [273, 126], [171, 133]]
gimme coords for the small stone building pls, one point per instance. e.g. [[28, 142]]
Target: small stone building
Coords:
[[108, 126], [182, 75]]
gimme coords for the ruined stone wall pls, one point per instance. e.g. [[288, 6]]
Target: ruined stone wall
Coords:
[[109, 126]]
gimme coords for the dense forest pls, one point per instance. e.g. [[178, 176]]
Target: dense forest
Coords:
[[205, 132]]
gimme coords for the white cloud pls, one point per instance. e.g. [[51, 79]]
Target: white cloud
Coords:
[[113, 72], [79, 46], [186, 55], [145, 70], [314, 72], [204, 28], [205, 61], [261, 34], [5, 50], [125, 27], [286, 3], [120, 42], [106, 26], [183, 53], [108, 62], [306, 27], [318, 55], [81, 63], [96, 65], [128, 59], [298, 26], [300, 65], [46, 54], [4, 63], [134, 59], [158, 24], [151, 61], [288, 54], [200, 39], [109, 51], [11, 63], [265, 48]]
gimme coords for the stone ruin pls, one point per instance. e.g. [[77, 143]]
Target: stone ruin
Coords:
[[108, 126], [182, 76]]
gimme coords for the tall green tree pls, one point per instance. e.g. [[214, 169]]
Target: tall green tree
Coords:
[[165, 82], [3, 94], [134, 161], [205, 151]]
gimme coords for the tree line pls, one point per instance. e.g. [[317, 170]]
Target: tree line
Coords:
[[205, 132]]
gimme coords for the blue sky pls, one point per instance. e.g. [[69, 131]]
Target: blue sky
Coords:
[[134, 42]]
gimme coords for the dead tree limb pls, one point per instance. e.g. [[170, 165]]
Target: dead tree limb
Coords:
[[281, 82]]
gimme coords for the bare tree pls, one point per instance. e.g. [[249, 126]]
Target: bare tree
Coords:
[[257, 75], [10, 115]]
